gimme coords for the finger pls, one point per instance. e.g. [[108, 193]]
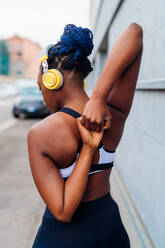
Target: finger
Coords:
[[93, 126], [107, 124], [81, 127], [99, 127], [82, 119], [92, 122], [87, 123], [79, 124]]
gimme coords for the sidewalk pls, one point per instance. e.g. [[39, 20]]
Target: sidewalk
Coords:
[[21, 206]]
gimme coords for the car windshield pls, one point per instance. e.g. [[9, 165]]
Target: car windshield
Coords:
[[30, 91]]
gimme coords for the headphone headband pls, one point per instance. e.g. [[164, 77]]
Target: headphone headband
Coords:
[[44, 52], [44, 57]]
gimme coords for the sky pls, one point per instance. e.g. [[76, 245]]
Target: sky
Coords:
[[41, 21]]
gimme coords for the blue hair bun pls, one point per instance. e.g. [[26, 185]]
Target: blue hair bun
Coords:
[[74, 39]]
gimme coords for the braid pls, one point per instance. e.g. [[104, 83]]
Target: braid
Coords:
[[72, 50]]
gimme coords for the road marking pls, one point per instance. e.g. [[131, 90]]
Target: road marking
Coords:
[[7, 124]]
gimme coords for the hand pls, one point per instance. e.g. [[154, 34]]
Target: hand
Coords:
[[96, 115], [89, 138]]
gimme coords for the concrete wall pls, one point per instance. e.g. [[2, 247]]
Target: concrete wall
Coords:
[[141, 153]]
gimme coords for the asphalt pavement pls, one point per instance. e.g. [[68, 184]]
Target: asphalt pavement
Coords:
[[5, 110], [21, 207]]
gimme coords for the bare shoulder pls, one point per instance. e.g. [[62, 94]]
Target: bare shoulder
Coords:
[[48, 126], [56, 136]]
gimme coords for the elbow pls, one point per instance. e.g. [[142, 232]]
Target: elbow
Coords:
[[136, 28], [136, 33], [64, 218]]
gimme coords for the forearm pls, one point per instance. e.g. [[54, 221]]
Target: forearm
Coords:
[[75, 185], [61, 197], [122, 54]]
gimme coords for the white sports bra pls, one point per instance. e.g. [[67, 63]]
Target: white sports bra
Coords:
[[106, 157]]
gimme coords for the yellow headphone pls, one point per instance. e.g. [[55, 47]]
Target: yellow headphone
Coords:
[[52, 78]]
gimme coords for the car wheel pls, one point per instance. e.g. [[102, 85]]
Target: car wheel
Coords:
[[16, 115]]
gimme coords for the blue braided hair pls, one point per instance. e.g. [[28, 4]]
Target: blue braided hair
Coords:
[[71, 52]]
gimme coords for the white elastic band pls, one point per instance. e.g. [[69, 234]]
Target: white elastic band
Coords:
[[105, 157], [66, 172]]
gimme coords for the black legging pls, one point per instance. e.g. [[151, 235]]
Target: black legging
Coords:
[[95, 224]]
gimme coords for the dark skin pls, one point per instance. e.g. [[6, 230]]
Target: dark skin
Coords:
[[54, 142]]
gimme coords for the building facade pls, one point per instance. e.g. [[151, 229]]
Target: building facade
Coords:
[[140, 156], [24, 57]]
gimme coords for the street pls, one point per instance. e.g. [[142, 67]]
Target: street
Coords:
[[21, 207]]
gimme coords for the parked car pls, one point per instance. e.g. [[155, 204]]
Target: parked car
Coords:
[[29, 102]]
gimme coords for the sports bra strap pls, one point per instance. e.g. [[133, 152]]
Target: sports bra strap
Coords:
[[70, 111]]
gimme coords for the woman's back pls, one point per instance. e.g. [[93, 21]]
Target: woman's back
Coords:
[[61, 142]]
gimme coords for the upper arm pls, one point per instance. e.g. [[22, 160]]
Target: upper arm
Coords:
[[122, 93], [46, 175], [120, 101]]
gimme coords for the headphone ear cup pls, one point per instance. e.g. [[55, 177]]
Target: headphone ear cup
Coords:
[[52, 79]]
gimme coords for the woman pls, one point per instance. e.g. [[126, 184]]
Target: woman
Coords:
[[71, 152]]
